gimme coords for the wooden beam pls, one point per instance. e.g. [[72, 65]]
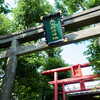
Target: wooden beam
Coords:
[[87, 17], [24, 36], [69, 38], [21, 32], [79, 20]]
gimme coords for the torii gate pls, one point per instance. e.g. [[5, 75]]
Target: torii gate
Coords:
[[13, 42], [76, 77]]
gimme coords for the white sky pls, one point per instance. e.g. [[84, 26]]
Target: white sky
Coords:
[[73, 53], [11, 3], [51, 2]]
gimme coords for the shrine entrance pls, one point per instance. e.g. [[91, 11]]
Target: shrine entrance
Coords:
[[77, 85]]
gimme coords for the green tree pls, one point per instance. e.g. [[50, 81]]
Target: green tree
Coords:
[[5, 24], [93, 49], [3, 7], [93, 54], [28, 13], [4, 21], [79, 5], [29, 83]]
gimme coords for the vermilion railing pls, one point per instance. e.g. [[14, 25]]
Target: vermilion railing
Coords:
[[76, 77]]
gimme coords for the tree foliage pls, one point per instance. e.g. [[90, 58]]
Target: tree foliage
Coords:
[[93, 53], [79, 5], [3, 7], [5, 24], [4, 21], [28, 13], [93, 49], [29, 83]]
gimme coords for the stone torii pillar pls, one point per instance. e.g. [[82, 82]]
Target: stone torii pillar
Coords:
[[9, 72]]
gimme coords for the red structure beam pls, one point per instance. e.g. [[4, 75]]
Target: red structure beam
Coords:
[[75, 80], [64, 69], [76, 77]]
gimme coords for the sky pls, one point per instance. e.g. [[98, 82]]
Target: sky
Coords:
[[51, 2], [11, 3], [73, 53]]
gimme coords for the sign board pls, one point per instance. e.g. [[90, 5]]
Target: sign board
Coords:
[[53, 29]]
